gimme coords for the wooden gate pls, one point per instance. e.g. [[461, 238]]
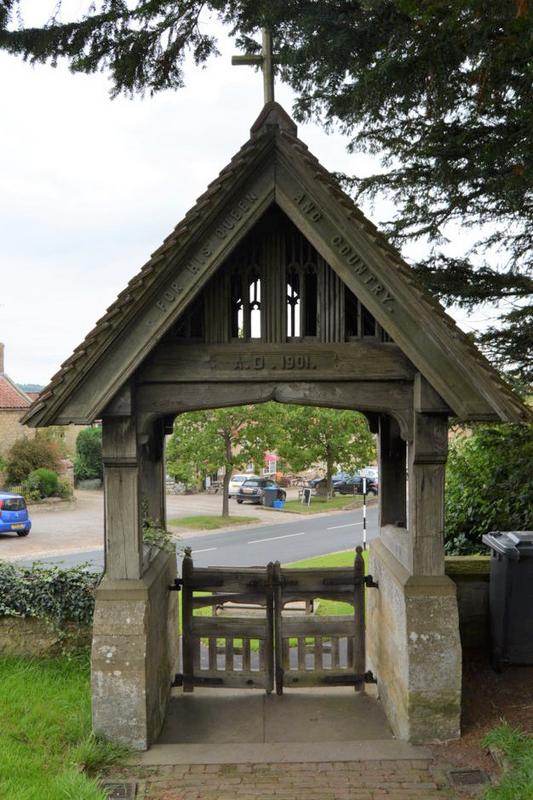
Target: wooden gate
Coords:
[[281, 645]]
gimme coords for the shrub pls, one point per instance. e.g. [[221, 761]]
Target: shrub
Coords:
[[489, 485], [44, 482], [64, 489], [88, 461], [27, 455], [48, 592]]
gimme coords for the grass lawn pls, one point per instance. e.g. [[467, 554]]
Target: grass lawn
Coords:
[[320, 504], [516, 747], [45, 731], [210, 522], [343, 558]]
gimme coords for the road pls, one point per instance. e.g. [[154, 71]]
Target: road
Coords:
[[285, 541]]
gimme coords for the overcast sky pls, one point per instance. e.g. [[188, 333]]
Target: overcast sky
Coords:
[[90, 187]]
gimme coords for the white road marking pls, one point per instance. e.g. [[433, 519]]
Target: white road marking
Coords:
[[349, 525], [205, 550], [272, 538]]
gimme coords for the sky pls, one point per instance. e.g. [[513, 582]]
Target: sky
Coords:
[[90, 186]]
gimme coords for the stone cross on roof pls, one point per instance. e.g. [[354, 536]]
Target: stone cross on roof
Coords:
[[266, 61]]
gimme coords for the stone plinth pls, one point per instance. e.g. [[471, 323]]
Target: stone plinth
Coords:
[[134, 654], [414, 649]]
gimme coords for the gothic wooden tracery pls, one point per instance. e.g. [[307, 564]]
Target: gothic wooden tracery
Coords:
[[276, 288]]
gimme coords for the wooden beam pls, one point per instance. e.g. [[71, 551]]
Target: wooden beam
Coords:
[[366, 361], [174, 398], [392, 474]]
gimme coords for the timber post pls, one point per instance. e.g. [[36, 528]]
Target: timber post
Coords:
[[123, 525], [359, 649], [428, 453]]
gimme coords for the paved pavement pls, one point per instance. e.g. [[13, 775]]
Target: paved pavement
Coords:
[[73, 533], [406, 779]]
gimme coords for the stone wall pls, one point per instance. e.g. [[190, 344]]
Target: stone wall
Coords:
[[471, 575], [134, 654], [31, 637], [414, 649], [11, 428]]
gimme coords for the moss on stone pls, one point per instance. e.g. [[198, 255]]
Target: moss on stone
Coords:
[[467, 566]]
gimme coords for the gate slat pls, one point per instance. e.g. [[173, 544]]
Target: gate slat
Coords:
[[228, 650], [301, 652], [246, 655], [349, 652], [212, 649], [318, 654], [334, 652]]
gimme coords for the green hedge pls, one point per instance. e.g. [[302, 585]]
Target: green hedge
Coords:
[[58, 595]]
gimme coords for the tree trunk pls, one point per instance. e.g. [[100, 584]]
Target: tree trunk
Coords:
[[227, 475], [329, 473]]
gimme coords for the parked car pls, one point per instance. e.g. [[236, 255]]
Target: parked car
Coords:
[[354, 485], [236, 481], [318, 485], [253, 490], [14, 514]]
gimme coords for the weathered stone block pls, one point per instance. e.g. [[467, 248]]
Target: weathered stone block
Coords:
[[414, 649], [134, 654]]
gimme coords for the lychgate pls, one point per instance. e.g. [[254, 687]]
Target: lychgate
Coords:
[[276, 287]]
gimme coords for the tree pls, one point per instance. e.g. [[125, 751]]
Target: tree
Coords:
[[489, 485], [228, 438], [442, 91], [337, 439], [88, 463]]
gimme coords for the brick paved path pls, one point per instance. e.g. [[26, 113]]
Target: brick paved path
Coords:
[[361, 780]]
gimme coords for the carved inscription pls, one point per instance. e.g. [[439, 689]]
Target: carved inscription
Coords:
[[281, 362], [308, 207], [356, 263], [360, 269], [204, 255]]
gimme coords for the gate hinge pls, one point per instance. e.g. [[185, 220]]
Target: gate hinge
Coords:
[[369, 677], [178, 680], [176, 586], [370, 583]]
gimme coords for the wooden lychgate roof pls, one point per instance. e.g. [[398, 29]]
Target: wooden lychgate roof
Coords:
[[274, 166]]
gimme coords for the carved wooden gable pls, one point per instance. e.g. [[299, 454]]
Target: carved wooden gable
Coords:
[[274, 261], [276, 288]]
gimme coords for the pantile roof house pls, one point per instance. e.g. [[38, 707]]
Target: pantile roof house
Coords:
[[14, 402]]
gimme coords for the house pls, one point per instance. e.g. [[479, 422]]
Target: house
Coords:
[[14, 403]]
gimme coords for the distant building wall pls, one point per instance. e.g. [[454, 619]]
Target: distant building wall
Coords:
[[11, 429]]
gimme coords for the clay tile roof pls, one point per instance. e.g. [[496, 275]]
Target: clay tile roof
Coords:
[[11, 396]]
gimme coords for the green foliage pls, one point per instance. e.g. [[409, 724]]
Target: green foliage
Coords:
[[158, 536], [223, 438], [88, 462], [337, 439], [517, 750], [45, 738], [27, 455], [441, 91], [489, 485], [56, 434], [96, 754], [41, 483], [64, 489], [58, 595]]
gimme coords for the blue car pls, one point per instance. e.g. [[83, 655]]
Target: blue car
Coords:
[[14, 514]]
